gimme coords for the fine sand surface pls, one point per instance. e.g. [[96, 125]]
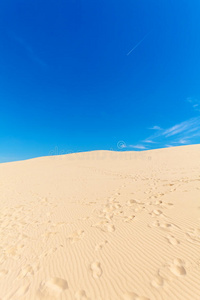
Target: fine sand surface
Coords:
[[101, 226]]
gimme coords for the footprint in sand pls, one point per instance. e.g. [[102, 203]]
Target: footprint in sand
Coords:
[[156, 213], [100, 246], [22, 290], [100, 225], [3, 272], [49, 234], [109, 208], [112, 200], [49, 252], [193, 236], [177, 267], [76, 236], [157, 282], [158, 202], [129, 218], [117, 194], [132, 202], [133, 296], [52, 288], [110, 228], [119, 213], [108, 216], [96, 269], [163, 226], [13, 251], [26, 271], [104, 226], [17, 293], [172, 240], [81, 295]]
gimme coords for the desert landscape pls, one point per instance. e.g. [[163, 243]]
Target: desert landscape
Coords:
[[102, 225]]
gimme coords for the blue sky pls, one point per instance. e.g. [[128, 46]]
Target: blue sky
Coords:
[[85, 75]]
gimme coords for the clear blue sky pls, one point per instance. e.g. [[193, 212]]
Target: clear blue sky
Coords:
[[85, 75]]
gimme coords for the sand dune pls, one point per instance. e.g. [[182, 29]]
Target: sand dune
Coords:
[[101, 226]]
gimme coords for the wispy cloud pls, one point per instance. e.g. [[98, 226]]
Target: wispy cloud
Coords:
[[149, 141], [184, 133], [123, 145], [155, 128], [183, 141], [29, 50], [184, 127], [194, 102], [137, 44], [141, 147]]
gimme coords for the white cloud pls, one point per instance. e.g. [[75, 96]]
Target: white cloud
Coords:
[[194, 102], [155, 128], [182, 141], [184, 133], [186, 126], [149, 141], [142, 147]]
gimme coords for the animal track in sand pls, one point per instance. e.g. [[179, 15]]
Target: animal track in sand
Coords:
[[81, 295], [96, 269], [133, 296], [172, 240], [52, 288], [76, 236]]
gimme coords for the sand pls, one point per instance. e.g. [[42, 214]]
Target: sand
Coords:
[[101, 226]]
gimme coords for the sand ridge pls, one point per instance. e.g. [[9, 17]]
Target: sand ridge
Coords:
[[101, 225]]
